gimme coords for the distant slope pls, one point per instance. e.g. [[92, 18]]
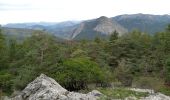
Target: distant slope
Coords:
[[21, 34], [100, 27], [17, 33], [26, 25], [61, 29], [144, 22]]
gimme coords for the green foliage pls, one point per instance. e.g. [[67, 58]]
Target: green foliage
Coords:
[[114, 36], [165, 90], [154, 83], [131, 59], [5, 82], [167, 78], [121, 93], [123, 75], [75, 73]]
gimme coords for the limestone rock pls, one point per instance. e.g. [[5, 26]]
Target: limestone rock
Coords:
[[107, 26], [46, 88], [158, 96], [42, 88], [95, 93]]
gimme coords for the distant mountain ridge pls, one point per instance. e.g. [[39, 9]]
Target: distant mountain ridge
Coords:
[[143, 22], [101, 26]]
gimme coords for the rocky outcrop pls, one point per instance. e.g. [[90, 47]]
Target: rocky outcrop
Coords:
[[77, 30], [46, 88], [100, 27], [157, 96], [107, 26]]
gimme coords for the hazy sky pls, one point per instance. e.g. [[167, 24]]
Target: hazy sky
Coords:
[[12, 11]]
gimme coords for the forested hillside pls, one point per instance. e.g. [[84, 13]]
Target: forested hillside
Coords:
[[135, 59]]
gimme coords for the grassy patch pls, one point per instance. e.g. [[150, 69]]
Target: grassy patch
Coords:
[[165, 90], [121, 93]]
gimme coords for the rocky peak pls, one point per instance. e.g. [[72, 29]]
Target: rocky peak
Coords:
[[103, 19], [46, 88], [107, 26]]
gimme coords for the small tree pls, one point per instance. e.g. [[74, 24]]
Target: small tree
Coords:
[[114, 36], [167, 78]]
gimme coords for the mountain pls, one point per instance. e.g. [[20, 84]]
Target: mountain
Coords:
[[100, 27], [89, 29], [143, 22], [26, 25], [17, 33], [60, 29], [41, 25], [20, 34]]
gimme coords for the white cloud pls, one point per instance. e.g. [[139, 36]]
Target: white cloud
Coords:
[[12, 11]]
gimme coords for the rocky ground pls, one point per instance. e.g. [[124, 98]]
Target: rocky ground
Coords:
[[46, 88]]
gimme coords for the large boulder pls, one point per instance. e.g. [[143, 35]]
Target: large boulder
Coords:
[[46, 88]]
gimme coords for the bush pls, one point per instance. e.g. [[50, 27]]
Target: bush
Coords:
[[120, 93], [148, 83], [165, 90], [5, 82], [167, 76], [26, 75], [122, 73], [76, 73]]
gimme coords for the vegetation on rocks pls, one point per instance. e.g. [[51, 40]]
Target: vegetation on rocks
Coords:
[[121, 93]]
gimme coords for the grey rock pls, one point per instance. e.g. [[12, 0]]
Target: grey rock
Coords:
[[157, 96], [131, 98], [107, 26], [46, 88], [79, 96], [95, 93], [42, 88]]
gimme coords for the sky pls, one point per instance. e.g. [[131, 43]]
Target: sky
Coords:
[[19, 11]]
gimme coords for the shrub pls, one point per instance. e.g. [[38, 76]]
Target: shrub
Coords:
[[120, 93], [76, 73], [148, 83]]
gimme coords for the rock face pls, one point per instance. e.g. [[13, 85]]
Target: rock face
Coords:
[[107, 26], [77, 31], [46, 88], [100, 27]]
